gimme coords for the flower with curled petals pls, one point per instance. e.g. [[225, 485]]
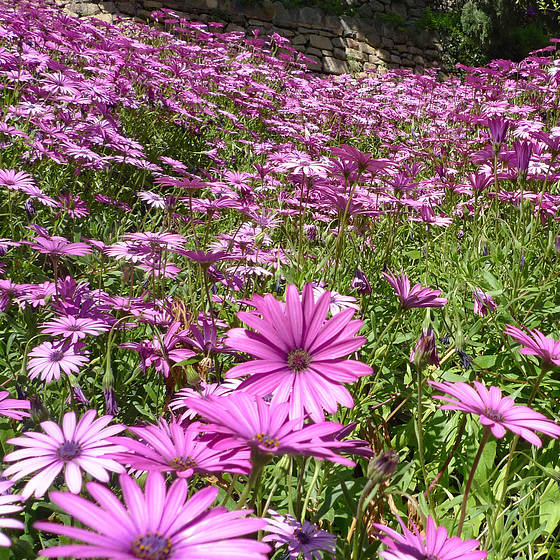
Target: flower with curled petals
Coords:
[[496, 412], [301, 354], [436, 545], [413, 297], [536, 344], [78, 445], [154, 524]]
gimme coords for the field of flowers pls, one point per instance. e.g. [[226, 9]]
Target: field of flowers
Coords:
[[247, 312]]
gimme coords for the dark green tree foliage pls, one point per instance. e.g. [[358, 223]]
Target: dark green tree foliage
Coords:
[[483, 30]]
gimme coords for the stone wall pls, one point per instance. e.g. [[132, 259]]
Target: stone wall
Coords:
[[333, 44]]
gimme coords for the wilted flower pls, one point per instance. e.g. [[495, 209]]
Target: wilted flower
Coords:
[[360, 283], [413, 297], [483, 303]]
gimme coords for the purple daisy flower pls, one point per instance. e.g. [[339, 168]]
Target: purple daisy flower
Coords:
[[413, 297], [266, 429], [157, 524], [301, 538], [496, 412], [301, 354], [7, 506], [76, 446], [48, 359], [56, 246], [436, 544], [74, 328], [171, 447]]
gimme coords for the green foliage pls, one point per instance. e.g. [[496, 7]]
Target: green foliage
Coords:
[[458, 47], [391, 17]]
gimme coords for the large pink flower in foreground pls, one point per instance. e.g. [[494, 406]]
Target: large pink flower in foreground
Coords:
[[497, 412], [536, 344], [157, 524], [301, 354], [76, 446], [436, 544], [413, 297]]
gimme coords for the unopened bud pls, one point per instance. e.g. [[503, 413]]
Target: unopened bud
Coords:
[[382, 466]]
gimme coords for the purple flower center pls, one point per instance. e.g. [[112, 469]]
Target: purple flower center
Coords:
[[301, 536], [152, 546], [74, 328], [267, 441], [493, 415], [56, 356], [182, 463], [298, 360], [69, 450], [432, 557]]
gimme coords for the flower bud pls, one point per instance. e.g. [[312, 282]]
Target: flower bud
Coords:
[[425, 351], [382, 466]]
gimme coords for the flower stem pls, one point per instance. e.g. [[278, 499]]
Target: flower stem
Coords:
[[485, 436], [544, 370]]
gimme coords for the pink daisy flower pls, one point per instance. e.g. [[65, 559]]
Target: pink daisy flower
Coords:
[[173, 448], [15, 180], [536, 344], [496, 412], [9, 407], [436, 544], [50, 358], [413, 297], [301, 355], [7, 506], [246, 421], [56, 246], [157, 524], [74, 328], [74, 447]]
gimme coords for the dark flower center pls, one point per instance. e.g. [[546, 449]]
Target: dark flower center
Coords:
[[56, 356], [301, 536], [267, 441], [74, 328], [69, 450], [493, 415], [432, 557], [298, 360], [152, 546], [182, 463]]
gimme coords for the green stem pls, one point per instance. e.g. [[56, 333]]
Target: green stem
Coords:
[[485, 435], [544, 370], [254, 477], [419, 432], [310, 489]]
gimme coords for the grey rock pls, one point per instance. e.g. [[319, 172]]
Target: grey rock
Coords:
[[319, 42], [310, 16], [313, 52], [334, 66]]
